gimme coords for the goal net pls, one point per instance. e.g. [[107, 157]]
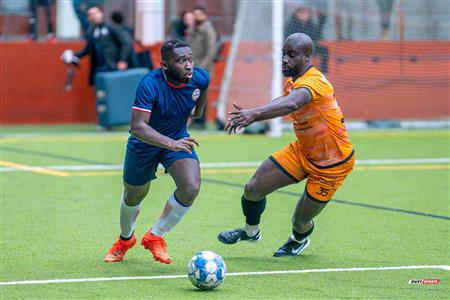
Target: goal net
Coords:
[[387, 60]]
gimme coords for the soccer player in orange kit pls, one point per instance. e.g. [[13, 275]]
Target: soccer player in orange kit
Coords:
[[322, 153]]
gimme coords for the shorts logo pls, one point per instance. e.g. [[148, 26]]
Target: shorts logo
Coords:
[[196, 94]]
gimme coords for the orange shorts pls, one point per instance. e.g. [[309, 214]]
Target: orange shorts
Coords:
[[322, 182]]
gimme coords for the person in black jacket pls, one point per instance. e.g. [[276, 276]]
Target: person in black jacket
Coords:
[[107, 45], [81, 7], [302, 21], [118, 20], [183, 26]]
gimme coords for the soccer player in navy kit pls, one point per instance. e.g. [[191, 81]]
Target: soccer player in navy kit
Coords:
[[165, 99]]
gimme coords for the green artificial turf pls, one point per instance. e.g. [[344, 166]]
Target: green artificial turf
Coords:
[[56, 227]]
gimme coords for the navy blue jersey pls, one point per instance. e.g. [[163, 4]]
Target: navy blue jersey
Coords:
[[169, 105]]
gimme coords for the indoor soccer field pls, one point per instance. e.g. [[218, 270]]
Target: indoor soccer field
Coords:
[[60, 189]]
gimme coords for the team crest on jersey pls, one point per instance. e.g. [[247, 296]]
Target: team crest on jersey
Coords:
[[104, 31], [195, 94]]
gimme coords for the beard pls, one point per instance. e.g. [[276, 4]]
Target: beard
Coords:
[[182, 79], [178, 77], [288, 73]]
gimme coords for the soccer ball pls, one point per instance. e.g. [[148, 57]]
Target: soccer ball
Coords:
[[206, 270]]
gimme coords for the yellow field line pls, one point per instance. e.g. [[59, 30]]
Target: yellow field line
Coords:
[[75, 139], [39, 170], [96, 173]]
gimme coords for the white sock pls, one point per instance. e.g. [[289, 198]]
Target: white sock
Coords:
[[251, 230], [172, 214], [128, 215]]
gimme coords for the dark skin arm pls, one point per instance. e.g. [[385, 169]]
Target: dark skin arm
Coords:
[[279, 107], [198, 110], [140, 129]]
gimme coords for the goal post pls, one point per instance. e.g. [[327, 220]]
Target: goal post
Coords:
[[374, 55], [270, 37], [276, 126]]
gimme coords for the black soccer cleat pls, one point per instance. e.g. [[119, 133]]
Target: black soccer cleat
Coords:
[[233, 236], [292, 248]]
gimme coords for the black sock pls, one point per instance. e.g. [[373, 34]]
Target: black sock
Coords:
[[301, 236], [126, 238], [253, 210]]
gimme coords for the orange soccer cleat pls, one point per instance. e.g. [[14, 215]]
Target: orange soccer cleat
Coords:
[[157, 246], [119, 248]]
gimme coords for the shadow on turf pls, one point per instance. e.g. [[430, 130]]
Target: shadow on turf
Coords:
[[263, 263], [194, 290], [137, 267]]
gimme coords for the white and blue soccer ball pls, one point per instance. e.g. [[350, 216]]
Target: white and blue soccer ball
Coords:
[[206, 270]]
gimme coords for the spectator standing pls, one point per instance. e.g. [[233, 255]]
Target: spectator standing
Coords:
[[118, 20], [107, 46], [302, 21], [321, 9], [203, 42], [33, 22], [345, 12], [81, 7], [385, 7], [203, 39], [183, 26]]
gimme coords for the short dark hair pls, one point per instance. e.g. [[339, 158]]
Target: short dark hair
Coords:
[[95, 6], [168, 46], [199, 7], [117, 17]]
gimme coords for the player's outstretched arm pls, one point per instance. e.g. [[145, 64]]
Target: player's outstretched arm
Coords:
[[198, 110], [279, 107], [86, 50], [140, 129]]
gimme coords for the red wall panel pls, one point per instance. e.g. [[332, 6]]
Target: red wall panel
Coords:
[[370, 81], [32, 85]]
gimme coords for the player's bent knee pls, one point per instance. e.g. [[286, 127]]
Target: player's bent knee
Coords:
[[251, 192], [190, 191], [133, 199], [134, 195], [249, 187]]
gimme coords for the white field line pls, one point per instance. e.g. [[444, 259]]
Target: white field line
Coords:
[[245, 164], [441, 267]]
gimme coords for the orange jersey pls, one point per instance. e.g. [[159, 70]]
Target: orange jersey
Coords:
[[319, 125]]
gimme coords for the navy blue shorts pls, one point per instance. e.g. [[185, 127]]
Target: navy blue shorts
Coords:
[[141, 163]]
